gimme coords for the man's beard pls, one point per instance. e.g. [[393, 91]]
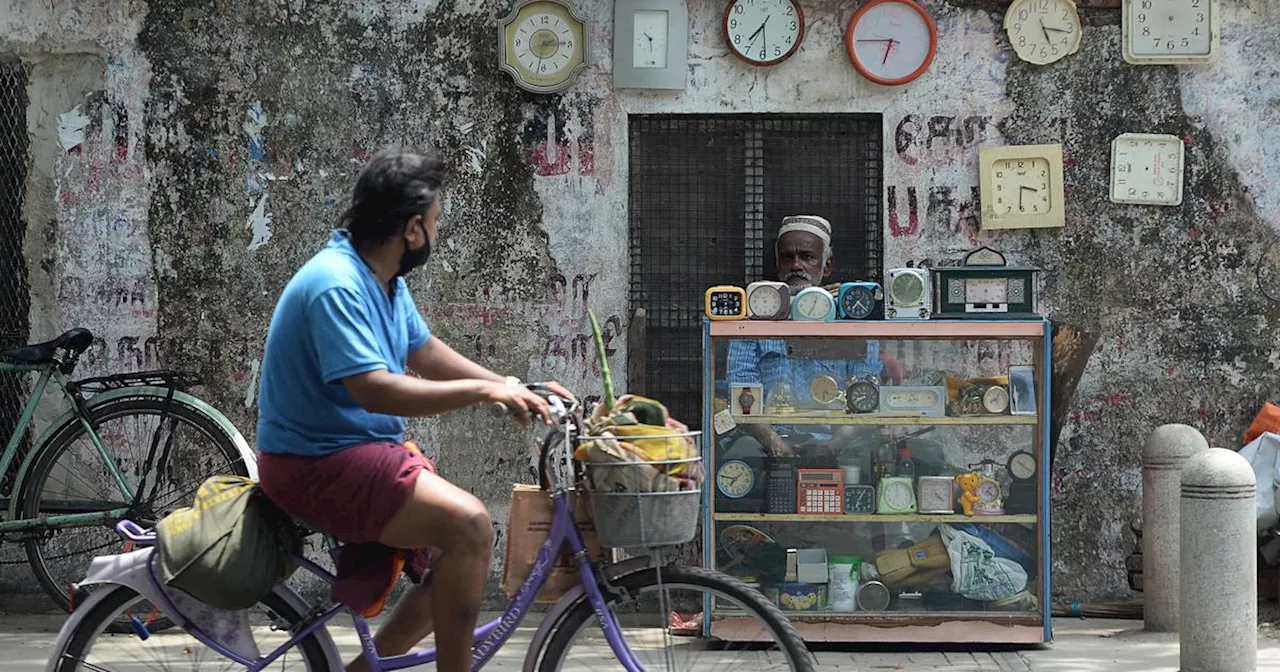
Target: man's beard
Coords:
[[798, 280]]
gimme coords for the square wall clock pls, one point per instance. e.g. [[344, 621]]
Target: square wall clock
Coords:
[[1169, 31], [1021, 186], [650, 44], [1146, 169]]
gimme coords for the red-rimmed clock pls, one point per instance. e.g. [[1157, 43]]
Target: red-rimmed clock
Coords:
[[891, 42]]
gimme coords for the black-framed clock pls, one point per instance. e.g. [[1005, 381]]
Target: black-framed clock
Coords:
[[985, 287], [1022, 468], [740, 485]]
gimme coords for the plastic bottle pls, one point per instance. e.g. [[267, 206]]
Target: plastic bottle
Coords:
[[842, 584]]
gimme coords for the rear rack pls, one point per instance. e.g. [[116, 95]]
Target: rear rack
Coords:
[[180, 380]]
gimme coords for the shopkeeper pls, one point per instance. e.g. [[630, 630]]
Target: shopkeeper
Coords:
[[802, 254]]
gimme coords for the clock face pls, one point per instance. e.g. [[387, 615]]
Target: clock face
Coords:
[[907, 289], [1022, 186], [988, 491], [543, 46], [649, 47], [726, 304], [765, 301], [935, 495], [735, 479], [1146, 169], [910, 398], [891, 42], [814, 304], [859, 499], [857, 302], [995, 399], [863, 397], [763, 32], [1022, 466], [1043, 31], [824, 389], [1169, 31], [986, 290], [898, 495]]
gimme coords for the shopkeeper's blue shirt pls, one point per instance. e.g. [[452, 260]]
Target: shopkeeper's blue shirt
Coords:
[[767, 361], [333, 320]]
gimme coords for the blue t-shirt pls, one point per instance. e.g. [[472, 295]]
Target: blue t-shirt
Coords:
[[333, 320]]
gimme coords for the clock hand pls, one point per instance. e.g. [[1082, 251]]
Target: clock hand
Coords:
[[1056, 30], [1044, 31], [887, 48]]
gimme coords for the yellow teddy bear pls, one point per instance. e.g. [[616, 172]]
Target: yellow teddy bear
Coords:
[[969, 486]]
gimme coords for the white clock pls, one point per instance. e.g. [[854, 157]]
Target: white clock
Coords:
[[650, 44], [814, 304], [1146, 169], [763, 32], [1043, 31], [1169, 31]]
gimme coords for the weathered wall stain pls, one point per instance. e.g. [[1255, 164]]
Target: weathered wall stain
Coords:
[[221, 140]]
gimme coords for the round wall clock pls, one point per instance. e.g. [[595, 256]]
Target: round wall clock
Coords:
[[891, 42], [542, 45], [1043, 31], [763, 32]]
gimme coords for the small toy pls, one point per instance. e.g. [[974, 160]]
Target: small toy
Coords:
[[969, 486]]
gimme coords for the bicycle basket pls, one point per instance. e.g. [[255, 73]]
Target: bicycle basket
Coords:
[[640, 503]]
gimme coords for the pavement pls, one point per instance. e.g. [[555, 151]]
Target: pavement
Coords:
[[1081, 645]]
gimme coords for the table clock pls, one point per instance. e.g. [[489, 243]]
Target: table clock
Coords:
[[897, 495], [858, 300], [768, 300], [1022, 483], [738, 486], [859, 499], [985, 287], [929, 401], [936, 494], [726, 302], [862, 395], [813, 304], [907, 295], [820, 492]]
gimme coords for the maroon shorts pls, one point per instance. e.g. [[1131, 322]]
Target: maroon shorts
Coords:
[[351, 494]]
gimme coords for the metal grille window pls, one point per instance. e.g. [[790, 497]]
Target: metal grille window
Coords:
[[14, 297], [707, 195]]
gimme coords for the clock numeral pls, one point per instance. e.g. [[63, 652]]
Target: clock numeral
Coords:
[[733, 23], [792, 25], [1200, 17], [1146, 32], [1142, 18], [1195, 4], [519, 42], [1132, 191], [737, 38], [999, 173], [546, 20], [777, 51], [1146, 4], [762, 53], [790, 10], [1186, 42], [1044, 173], [738, 9]]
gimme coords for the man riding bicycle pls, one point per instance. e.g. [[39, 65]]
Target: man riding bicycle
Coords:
[[347, 358]]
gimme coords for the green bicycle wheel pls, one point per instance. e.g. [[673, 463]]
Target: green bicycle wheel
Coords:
[[68, 475]]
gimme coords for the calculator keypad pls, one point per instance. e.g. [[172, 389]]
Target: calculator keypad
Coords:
[[821, 500]]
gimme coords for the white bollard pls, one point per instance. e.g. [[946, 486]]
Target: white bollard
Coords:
[[1218, 624], [1163, 455]]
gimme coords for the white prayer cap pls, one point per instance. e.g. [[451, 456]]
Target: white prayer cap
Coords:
[[814, 224]]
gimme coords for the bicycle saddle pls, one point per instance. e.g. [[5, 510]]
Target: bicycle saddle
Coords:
[[76, 340]]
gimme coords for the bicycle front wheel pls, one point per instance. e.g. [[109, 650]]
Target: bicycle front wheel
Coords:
[[70, 476], [660, 612]]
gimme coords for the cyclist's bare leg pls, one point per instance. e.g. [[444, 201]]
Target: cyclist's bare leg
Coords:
[[410, 622], [444, 516]]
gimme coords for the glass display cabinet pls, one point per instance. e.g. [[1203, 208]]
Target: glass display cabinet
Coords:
[[881, 481]]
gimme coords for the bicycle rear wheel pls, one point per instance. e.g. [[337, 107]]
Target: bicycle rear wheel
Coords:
[[652, 599], [70, 476], [89, 650]]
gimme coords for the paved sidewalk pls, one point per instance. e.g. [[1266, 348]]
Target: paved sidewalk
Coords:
[[1082, 645]]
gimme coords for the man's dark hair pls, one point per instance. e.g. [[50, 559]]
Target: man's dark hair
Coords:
[[396, 185]]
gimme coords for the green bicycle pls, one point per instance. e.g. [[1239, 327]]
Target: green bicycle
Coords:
[[130, 446]]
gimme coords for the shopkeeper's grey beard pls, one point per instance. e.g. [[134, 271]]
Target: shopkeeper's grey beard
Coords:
[[798, 280]]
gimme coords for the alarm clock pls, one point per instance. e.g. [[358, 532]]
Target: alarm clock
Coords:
[[985, 288], [768, 300], [824, 389], [862, 395], [813, 304], [726, 302], [929, 401], [897, 495], [1022, 484], [906, 294], [859, 499], [739, 488], [936, 494], [990, 499], [858, 300], [995, 399]]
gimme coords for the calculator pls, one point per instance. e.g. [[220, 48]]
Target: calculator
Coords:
[[780, 481], [820, 491]]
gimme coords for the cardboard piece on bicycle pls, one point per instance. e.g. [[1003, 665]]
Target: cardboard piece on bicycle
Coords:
[[528, 525]]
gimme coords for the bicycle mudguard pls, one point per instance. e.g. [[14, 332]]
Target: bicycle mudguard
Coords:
[[246, 453], [569, 601], [134, 570]]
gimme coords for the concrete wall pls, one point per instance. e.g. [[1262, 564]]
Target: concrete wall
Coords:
[[220, 141]]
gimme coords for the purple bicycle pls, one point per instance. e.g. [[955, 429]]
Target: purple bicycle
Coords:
[[632, 603]]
